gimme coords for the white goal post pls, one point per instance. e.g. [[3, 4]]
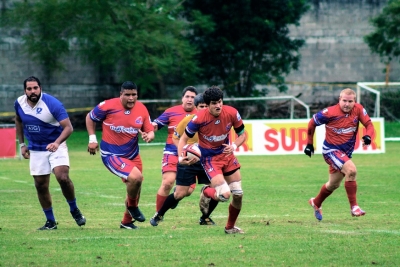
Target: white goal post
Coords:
[[367, 86]]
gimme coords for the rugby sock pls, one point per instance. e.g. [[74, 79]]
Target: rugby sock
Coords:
[[323, 194], [132, 202], [49, 214], [127, 218], [233, 214], [351, 190], [209, 192], [72, 204], [169, 202], [211, 207], [160, 201]]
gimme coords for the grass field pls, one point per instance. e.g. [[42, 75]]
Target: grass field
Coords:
[[279, 224]]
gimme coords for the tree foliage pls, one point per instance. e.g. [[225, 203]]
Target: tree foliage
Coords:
[[137, 40], [248, 43], [385, 39], [156, 43]]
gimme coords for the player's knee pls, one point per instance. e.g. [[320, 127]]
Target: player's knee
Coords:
[[223, 192], [63, 178], [236, 188], [332, 186]]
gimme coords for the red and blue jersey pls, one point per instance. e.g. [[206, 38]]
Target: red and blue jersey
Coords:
[[121, 127], [342, 128], [171, 118], [214, 131]]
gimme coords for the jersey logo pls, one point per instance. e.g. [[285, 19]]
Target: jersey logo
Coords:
[[38, 110], [194, 117], [215, 138], [364, 112], [217, 122], [33, 128], [123, 166], [325, 110], [139, 120], [210, 169], [229, 126], [127, 112], [102, 103]]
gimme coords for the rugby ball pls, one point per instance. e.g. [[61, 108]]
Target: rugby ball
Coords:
[[191, 151]]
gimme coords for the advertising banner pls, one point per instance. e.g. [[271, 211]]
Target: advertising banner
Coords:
[[283, 137], [8, 138]]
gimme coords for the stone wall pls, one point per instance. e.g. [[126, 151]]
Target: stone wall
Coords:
[[335, 50]]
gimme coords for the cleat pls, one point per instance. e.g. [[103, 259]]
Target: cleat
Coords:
[[204, 202], [317, 211], [135, 213], [156, 219], [79, 218], [356, 211], [234, 230], [128, 226], [206, 221], [49, 225], [173, 207]]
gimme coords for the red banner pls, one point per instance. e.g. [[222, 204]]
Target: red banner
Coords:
[[7, 146]]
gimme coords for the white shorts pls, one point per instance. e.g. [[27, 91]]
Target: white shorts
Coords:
[[43, 162]]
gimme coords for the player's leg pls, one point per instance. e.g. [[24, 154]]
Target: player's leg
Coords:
[[350, 184], [235, 185], [130, 172], [206, 204], [184, 178], [40, 169], [169, 168], [335, 160], [133, 187], [59, 161]]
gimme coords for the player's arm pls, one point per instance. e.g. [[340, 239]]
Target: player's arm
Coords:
[[309, 150], [66, 132], [369, 127], [20, 135], [238, 141], [93, 145]]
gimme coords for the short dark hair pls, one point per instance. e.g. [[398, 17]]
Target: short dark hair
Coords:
[[32, 79], [198, 100], [128, 85], [213, 93], [189, 88]]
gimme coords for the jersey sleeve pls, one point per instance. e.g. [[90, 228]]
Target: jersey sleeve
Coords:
[[99, 113], [366, 121]]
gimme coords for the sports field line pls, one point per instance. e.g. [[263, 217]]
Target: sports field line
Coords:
[[103, 237], [361, 232]]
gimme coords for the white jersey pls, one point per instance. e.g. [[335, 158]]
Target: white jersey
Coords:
[[41, 123]]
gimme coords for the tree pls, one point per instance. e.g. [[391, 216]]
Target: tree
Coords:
[[140, 40], [248, 42], [385, 39]]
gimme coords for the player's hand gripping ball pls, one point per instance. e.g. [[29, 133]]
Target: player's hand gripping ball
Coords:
[[191, 151]]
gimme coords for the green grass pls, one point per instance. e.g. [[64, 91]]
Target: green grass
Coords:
[[279, 224], [392, 129]]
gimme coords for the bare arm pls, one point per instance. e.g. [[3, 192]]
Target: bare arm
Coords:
[[93, 145], [66, 132], [20, 136]]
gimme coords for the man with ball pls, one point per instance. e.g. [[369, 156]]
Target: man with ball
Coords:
[[213, 126]]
